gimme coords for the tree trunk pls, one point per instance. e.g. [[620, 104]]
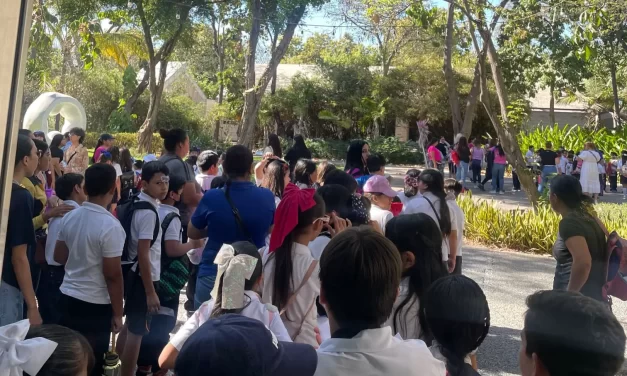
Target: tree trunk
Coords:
[[216, 129], [473, 98], [254, 93], [449, 76], [617, 119], [139, 90], [150, 124], [552, 104]]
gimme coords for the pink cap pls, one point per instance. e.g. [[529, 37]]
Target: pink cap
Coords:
[[379, 184]]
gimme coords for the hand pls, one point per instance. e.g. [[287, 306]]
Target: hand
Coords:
[[198, 243], [318, 335], [57, 211], [268, 156], [337, 225], [376, 226], [34, 317], [116, 324], [153, 303], [54, 201], [451, 264]]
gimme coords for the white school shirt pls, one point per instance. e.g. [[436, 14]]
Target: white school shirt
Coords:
[[142, 228], [91, 233], [54, 226], [407, 323], [118, 169], [376, 352], [173, 232], [381, 216], [303, 305], [204, 181], [421, 205], [460, 219], [405, 200], [266, 313], [318, 245]]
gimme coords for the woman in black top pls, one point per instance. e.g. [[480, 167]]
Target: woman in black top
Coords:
[[463, 152], [549, 160], [56, 153], [580, 248], [297, 151]]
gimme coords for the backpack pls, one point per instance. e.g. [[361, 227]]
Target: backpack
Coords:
[[174, 271], [127, 187], [125, 213], [616, 268]]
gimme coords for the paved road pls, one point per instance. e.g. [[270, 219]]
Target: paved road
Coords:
[[507, 278]]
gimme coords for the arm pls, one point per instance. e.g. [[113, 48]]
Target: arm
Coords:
[[175, 248], [171, 351], [23, 276], [198, 224], [191, 197], [61, 252], [112, 271], [168, 356], [582, 262], [194, 233], [143, 258], [452, 252]]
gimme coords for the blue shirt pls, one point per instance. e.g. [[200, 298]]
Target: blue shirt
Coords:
[[256, 208], [66, 146], [362, 180]]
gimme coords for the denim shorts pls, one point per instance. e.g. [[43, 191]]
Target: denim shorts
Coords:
[[12, 306]]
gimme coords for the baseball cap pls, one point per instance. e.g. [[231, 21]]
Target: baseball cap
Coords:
[[237, 345], [106, 137], [379, 184]]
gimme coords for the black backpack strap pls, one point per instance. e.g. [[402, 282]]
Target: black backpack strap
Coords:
[[144, 205], [164, 227], [238, 218]]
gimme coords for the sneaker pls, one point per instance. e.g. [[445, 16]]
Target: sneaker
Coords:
[[502, 192], [493, 192]]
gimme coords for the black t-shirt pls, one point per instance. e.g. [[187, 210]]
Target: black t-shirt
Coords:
[[442, 148], [547, 157], [296, 153], [20, 230], [577, 224], [55, 152], [463, 153]]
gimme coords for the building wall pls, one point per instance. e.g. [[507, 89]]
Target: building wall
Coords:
[[541, 117]]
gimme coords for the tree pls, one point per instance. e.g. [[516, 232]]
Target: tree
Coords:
[[292, 12]]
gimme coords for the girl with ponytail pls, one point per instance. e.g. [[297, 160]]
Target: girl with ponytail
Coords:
[[434, 204], [290, 275], [418, 240], [455, 313]]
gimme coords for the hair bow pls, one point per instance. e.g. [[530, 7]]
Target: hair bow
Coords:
[[294, 201], [411, 182], [19, 355], [236, 270]]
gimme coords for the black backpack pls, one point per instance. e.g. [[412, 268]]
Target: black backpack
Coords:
[[127, 187], [174, 270], [125, 213]]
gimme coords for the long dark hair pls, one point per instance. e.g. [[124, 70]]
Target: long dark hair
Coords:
[[115, 154], [274, 178], [283, 268], [241, 248], [435, 184], [303, 170], [323, 171], [500, 150], [126, 161], [462, 144], [568, 190], [418, 234], [455, 312], [275, 143], [354, 159], [56, 141], [409, 190]]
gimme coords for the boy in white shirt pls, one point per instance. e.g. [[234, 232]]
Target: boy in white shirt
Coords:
[[360, 273], [90, 244], [208, 165], [141, 297], [70, 189], [453, 189]]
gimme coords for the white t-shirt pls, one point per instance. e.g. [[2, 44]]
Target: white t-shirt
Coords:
[[562, 165], [173, 232], [381, 216], [204, 181], [405, 200], [91, 233], [118, 169], [376, 352], [142, 228], [318, 245], [303, 305], [530, 157], [421, 205], [460, 219], [54, 226], [266, 313], [407, 323]]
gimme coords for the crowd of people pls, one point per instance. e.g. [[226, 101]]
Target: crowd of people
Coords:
[[292, 267]]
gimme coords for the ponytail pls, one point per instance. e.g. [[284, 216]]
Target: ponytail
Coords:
[[435, 184]]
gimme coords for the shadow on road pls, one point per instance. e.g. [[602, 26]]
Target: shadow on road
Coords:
[[499, 352]]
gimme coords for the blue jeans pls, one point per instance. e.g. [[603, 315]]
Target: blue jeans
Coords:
[[204, 286], [462, 172], [498, 177], [546, 171], [12, 304]]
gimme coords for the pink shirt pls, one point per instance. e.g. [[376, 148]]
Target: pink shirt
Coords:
[[498, 159], [434, 153]]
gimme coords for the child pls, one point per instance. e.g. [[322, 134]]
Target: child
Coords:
[[360, 274], [337, 204], [377, 189], [376, 165], [208, 165], [419, 243], [290, 273], [612, 173], [174, 274], [238, 260], [457, 315], [141, 296], [622, 167], [105, 158], [453, 188], [90, 244], [410, 192], [305, 173], [70, 189], [276, 178]]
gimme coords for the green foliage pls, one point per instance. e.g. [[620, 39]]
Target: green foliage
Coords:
[[128, 140], [394, 151], [574, 138]]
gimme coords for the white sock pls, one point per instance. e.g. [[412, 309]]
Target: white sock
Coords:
[[624, 191]]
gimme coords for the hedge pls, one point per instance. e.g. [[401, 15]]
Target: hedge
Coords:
[[574, 138], [128, 140]]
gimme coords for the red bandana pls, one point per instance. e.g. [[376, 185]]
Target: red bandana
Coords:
[[294, 201]]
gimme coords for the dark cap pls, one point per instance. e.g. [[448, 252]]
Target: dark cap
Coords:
[[106, 137], [237, 345]]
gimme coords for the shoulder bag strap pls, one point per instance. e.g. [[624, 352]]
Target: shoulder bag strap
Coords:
[[438, 217], [238, 218], [310, 271]]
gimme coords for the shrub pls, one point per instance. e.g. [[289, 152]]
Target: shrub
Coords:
[[526, 230], [128, 140], [574, 138], [395, 151]]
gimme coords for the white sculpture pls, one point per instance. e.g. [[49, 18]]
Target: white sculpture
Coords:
[[52, 104]]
